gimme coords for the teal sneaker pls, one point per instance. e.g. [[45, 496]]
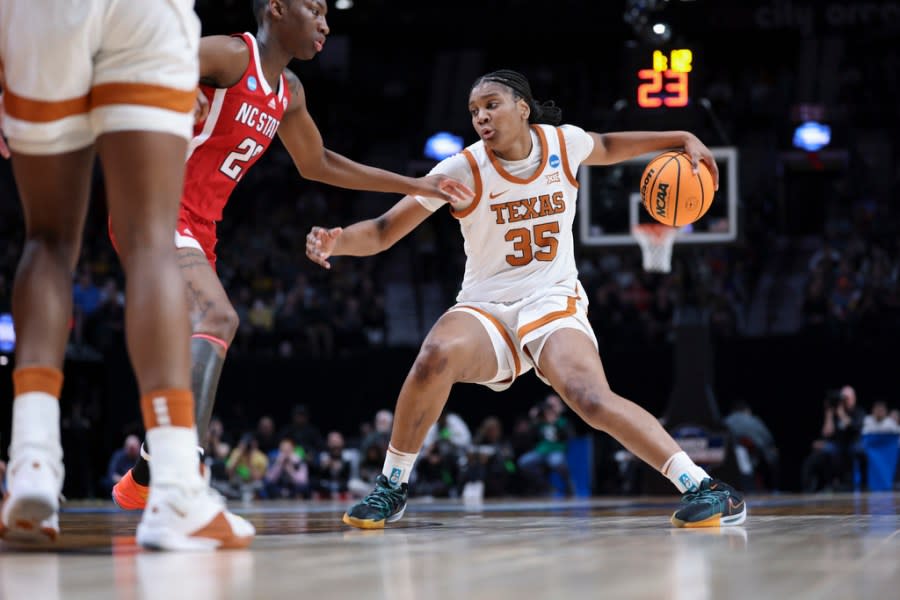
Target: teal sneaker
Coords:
[[713, 504], [385, 504]]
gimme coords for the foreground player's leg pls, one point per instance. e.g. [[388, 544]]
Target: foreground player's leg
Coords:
[[143, 172], [214, 322], [457, 349], [570, 362], [54, 194]]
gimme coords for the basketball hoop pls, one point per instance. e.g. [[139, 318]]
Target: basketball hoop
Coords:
[[656, 241]]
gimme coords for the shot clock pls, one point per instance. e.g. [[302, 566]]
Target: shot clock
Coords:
[[666, 84]]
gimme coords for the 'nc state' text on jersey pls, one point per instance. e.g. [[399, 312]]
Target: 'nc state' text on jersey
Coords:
[[255, 118], [529, 208]]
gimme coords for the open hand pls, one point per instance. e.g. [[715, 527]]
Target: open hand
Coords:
[[443, 187], [320, 244], [698, 152]]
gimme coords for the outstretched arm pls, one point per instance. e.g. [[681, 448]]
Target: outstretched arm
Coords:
[[610, 148], [303, 141], [365, 237]]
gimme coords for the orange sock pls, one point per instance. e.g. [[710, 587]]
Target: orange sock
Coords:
[[172, 436], [48, 380], [168, 408]]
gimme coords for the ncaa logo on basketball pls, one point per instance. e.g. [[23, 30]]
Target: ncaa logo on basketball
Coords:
[[251, 83], [661, 194], [554, 161]]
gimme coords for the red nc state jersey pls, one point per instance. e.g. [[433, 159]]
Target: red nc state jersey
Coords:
[[242, 121]]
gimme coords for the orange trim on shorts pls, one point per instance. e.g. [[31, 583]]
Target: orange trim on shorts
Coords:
[[168, 408], [565, 158], [48, 380], [105, 94], [537, 172], [43, 111], [559, 314], [476, 175], [503, 333], [144, 94]]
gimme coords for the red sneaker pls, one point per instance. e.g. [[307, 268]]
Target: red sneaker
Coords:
[[128, 494]]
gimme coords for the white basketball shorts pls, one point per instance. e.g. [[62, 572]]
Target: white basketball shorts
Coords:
[[518, 330], [74, 70]]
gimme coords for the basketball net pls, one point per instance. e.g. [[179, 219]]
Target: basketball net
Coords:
[[656, 241]]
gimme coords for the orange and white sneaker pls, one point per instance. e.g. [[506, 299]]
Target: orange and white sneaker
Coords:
[[128, 494], [178, 518], [31, 506]]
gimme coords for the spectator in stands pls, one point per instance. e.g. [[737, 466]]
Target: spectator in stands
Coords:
[[246, 468], [491, 460], [552, 430], [437, 472], [85, 295], [265, 435], [381, 436], [752, 433], [880, 420], [370, 467], [288, 475], [831, 464], [452, 428], [216, 448], [121, 461], [304, 434], [332, 472]]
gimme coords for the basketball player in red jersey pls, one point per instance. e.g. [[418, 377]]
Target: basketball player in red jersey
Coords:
[[252, 96]]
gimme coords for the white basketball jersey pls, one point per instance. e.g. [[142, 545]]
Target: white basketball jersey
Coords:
[[518, 231]]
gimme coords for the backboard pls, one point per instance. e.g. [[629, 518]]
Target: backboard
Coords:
[[609, 203]]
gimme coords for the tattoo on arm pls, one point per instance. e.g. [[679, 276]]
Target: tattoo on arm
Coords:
[[293, 82]]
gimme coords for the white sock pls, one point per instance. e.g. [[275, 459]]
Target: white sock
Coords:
[[175, 458], [398, 465], [36, 424], [682, 471]]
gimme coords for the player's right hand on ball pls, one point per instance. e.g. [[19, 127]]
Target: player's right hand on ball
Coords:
[[320, 244]]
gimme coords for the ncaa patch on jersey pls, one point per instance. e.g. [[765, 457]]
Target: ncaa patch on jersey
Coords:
[[554, 161], [252, 83]]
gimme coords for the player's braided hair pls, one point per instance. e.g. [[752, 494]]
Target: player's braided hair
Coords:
[[541, 112]]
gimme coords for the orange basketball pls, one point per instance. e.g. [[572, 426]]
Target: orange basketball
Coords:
[[672, 193]]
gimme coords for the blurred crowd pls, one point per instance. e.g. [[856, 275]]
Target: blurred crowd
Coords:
[[545, 450], [297, 460]]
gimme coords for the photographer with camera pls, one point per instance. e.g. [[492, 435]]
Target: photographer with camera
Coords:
[[552, 430], [830, 465]]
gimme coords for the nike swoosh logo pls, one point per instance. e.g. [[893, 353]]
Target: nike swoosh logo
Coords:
[[493, 195], [735, 506]]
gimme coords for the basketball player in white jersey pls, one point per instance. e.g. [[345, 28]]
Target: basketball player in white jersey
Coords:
[[521, 305], [117, 79]]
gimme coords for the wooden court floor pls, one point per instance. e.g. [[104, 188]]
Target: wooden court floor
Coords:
[[792, 546]]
